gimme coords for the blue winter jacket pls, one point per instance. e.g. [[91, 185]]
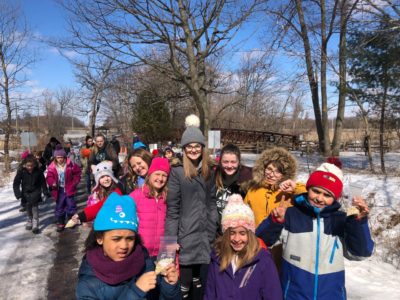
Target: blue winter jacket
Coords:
[[90, 287], [314, 244]]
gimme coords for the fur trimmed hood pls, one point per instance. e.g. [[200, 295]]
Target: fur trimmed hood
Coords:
[[276, 154]]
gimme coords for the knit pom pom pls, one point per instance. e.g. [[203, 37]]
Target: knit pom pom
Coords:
[[59, 147], [235, 198], [192, 120], [335, 161]]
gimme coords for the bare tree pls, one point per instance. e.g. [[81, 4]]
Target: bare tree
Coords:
[[182, 34], [93, 75], [14, 60], [315, 22]]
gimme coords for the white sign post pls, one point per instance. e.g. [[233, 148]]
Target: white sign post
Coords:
[[28, 139], [214, 139]]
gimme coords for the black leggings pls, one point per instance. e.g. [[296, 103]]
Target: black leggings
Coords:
[[193, 281]]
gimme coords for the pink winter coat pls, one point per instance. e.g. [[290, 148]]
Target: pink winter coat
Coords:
[[72, 178], [151, 214]]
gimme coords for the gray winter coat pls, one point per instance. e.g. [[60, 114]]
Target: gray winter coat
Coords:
[[191, 215]]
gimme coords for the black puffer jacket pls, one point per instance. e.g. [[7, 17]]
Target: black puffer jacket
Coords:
[[29, 186]]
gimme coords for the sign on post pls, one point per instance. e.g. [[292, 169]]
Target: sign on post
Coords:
[[28, 139], [214, 139]]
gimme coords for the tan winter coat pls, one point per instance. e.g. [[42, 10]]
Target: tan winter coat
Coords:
[[263, 197]]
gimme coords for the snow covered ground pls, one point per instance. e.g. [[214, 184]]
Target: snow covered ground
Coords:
[[25, 259]]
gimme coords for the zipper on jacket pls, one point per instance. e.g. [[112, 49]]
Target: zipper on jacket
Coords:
[[317, 258], [334, 247], [286, 289]]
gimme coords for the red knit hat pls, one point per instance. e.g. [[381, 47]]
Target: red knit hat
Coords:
[[329, 177], [159, 164]]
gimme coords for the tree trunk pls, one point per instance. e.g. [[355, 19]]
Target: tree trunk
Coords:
[[337, 137], [93, 115], [7, 162], [313, 82], [382, 126], [324, 93]]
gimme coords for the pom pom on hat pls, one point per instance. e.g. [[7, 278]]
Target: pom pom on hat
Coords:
[[117, 212], [192, 120], [59, 151], [236, 214], [159, 164], [335, 161], [329, 177], [25, 154], [103, 169], [192, 133]]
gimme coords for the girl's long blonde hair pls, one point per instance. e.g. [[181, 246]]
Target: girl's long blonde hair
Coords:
[[226, 254], [190, 170], [153, 192]]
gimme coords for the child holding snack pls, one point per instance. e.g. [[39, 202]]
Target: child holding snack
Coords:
[[316, 236], [240, 268], [116, 265]]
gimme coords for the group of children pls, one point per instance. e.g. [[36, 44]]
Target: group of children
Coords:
[[228, 248]]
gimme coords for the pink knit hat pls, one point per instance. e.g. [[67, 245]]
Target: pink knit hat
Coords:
[[236, 214], [25, 154], [159, 164]]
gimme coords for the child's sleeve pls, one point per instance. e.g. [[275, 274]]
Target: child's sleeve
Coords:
[[300, 188], [357, 239], [210, 287], [17, 185], [90, 213], [173, 204], [269, 231]]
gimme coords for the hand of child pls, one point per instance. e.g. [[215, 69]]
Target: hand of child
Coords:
[[287, 186], [279, 212], [147, 281], [171, 274], [359, 202], [75, 219]]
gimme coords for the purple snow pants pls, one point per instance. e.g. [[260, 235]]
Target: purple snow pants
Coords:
[[65, 204]]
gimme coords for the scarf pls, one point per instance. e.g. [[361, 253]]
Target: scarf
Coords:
[[115, 272]]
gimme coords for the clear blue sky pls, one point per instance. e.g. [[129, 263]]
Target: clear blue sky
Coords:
[[46, 19]]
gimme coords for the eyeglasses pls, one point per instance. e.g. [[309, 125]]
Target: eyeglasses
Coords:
[[275, 173], [196, 147]]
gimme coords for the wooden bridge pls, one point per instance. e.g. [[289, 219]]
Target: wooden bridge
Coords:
[[257, 141]]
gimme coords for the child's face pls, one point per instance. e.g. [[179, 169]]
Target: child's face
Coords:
[[158, 179], [272, 174], [29, 167], [60, 160], [229, 163], [139, 166], [105, 181], [319, 197], [168, 154], [118, 243], [239, 238]]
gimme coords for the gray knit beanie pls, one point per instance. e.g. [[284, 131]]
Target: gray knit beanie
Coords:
[[192, 133]]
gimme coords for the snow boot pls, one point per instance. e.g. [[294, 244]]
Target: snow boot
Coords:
[[28, 225], [35, 227], [60, 224]]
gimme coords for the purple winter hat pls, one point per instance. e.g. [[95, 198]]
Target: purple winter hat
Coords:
[[59, 151]]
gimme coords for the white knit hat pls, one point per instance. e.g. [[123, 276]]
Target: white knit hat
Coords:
[[331, 168], [102, 169], [236, 214]]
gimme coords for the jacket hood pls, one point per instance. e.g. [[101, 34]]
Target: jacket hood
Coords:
[[277, 154]]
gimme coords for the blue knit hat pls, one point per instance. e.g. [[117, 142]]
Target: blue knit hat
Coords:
[[139, 145], [117, 212]]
